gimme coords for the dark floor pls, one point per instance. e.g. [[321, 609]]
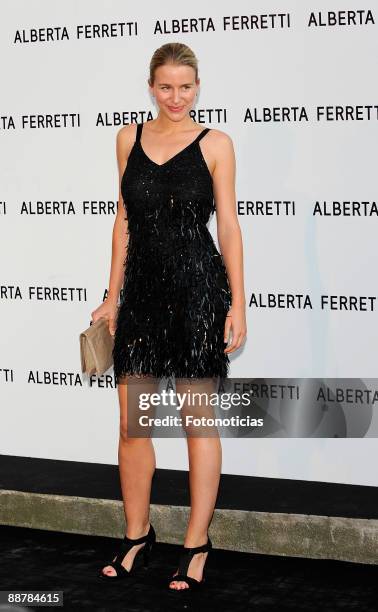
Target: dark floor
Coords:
[[44, 560]]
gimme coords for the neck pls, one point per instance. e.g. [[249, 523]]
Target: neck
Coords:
[[165, 124]]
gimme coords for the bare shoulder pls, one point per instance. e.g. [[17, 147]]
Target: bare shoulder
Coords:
[[125, 139], [221, 149], [220, 142], [220, 137]]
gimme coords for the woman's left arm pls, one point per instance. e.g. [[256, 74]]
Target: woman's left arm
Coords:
[[229, 237]]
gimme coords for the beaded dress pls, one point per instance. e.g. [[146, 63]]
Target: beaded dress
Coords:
[[176, 293]]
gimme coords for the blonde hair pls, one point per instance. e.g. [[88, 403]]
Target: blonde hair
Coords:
[[172, 53]]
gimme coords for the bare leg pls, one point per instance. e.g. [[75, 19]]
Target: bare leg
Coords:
[[205, 460], [136, 457]]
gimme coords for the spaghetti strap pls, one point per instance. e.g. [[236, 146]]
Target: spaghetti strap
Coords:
[[139, 131], [202, 134]]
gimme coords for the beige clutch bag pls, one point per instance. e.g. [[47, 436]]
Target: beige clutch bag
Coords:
[[96, 345]]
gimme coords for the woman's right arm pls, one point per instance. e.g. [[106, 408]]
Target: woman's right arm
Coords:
[[124, 142]]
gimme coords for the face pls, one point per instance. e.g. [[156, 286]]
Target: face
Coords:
[[175, 90]]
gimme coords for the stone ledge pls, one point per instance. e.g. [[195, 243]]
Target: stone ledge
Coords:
[[293, 535]]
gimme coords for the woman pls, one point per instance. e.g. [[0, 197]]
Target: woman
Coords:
[[181, 298]]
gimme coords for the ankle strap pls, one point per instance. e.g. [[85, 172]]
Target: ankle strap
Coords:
[[197, 549], [187, 555], [141, 539]]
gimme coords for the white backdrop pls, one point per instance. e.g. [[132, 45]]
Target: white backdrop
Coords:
[[314, 62]]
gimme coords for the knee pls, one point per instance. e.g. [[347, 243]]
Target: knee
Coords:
[[123, 432], [126, 439]]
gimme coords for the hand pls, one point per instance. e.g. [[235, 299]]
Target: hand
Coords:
[[236, 323], [107, 310]]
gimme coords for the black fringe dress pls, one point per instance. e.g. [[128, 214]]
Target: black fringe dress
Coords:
[[176, 293]]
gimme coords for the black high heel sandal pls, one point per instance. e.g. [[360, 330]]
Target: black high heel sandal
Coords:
[[185, 559], [141, 558]]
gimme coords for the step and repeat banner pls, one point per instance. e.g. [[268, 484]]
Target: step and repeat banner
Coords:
[[294, 85]]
